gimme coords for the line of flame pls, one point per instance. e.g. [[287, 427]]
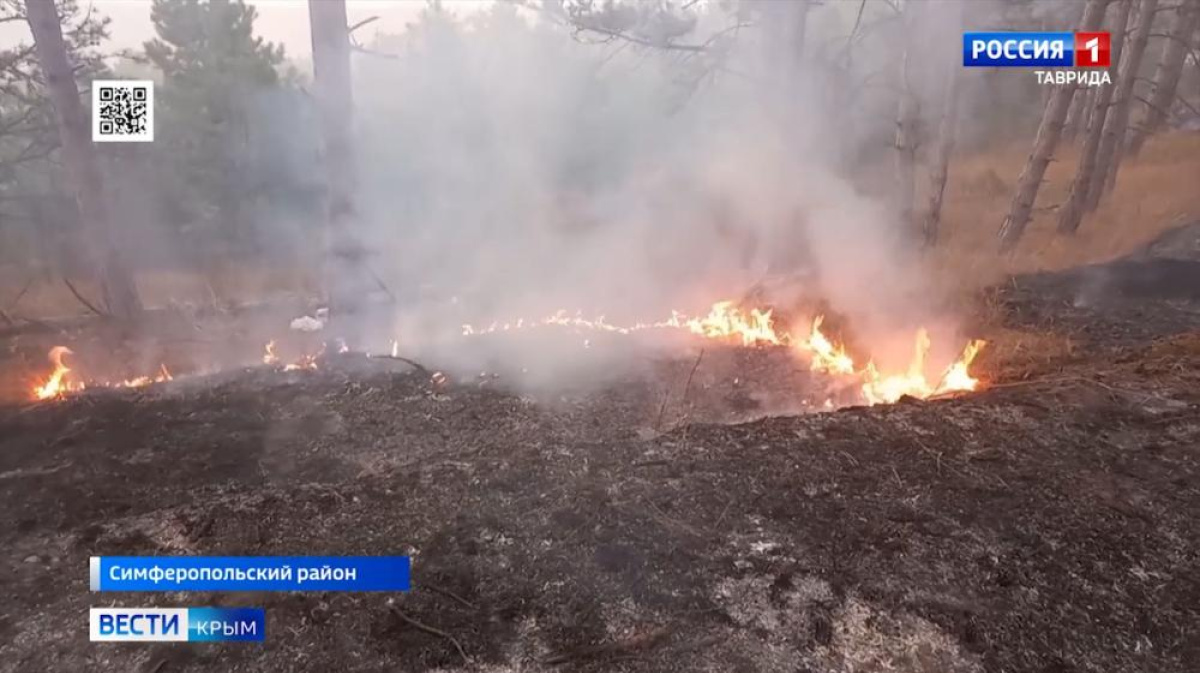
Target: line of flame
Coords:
[[727, 322]]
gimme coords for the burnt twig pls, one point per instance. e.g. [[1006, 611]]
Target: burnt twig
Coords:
[[431, 631], [667, 396], [451, 595], [417, 365]]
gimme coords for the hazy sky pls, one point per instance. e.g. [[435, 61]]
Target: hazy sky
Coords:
[[282, 21]]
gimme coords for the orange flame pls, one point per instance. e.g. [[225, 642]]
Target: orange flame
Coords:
[[727, 322], [826, 357], [879, 388], [162, 376], [269, 357], [307, 361], [57, 384]]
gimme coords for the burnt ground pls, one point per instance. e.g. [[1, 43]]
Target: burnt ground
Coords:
[[1048, 523]]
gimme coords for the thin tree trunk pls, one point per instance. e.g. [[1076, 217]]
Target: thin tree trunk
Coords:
[[333, 92], [906, 145], [1071, 213], [1108, 159], [947, 133], [1053, 117], [1167, 74], [941, 161], [83, 173], [906, 140], [1077, 116]]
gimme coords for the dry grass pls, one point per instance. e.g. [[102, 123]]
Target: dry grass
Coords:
[[1158, 191]]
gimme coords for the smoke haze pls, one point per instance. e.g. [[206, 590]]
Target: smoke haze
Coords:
[[512, 167]]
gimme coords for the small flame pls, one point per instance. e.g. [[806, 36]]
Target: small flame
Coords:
[[162, 376], [269, 357], [957, 376], [725, 321], [56, 385], [826, 357], [306, 361]]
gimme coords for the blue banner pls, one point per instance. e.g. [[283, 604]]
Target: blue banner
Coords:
[[250, 573], [1019, 50]]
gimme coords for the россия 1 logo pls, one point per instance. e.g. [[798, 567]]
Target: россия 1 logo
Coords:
[[1043, 50]]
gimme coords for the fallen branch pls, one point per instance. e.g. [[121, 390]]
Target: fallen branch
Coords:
[[431, 631], [13, 304], [451, 595], [417, 365], [362, 23], [666, 397], [83, 301]]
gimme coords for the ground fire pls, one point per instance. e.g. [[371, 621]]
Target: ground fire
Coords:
[[600, 336], [755, 327], [725, 322], [60, 381]]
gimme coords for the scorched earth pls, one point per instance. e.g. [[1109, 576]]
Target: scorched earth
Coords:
[[1044, 523]]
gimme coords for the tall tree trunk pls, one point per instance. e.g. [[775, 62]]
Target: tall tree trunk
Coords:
[[1053, 117], [906, 145], [1108, 159], [946, 136], [1077, 116], [947, 128], [333, 92], [1071, 213], [1167, 74], [907, 114], [83, 173]]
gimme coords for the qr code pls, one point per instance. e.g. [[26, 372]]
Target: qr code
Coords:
[[122, 111]]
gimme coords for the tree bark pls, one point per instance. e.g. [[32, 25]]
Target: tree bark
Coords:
[[335, 103], [1077, 115], [1108, 158], [906, 146], [82, 171], [946, 137], [1167, 74], [907, 113], [947, 128], [1071, 214], [1053, 118]]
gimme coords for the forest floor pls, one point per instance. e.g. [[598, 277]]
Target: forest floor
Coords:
[[1047, 523]]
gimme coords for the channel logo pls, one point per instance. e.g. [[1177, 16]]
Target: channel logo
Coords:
[[177, 624], [1037, 50]]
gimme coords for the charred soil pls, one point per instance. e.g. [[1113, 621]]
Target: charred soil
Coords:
[[1047, 523]]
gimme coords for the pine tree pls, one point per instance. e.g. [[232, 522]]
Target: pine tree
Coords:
[[211, 64]]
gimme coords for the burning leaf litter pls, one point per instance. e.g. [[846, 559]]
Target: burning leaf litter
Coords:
[[755, 327], [724, 322], [58, 384]]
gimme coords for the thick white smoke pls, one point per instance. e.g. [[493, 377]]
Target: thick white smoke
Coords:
[[510, 168]]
